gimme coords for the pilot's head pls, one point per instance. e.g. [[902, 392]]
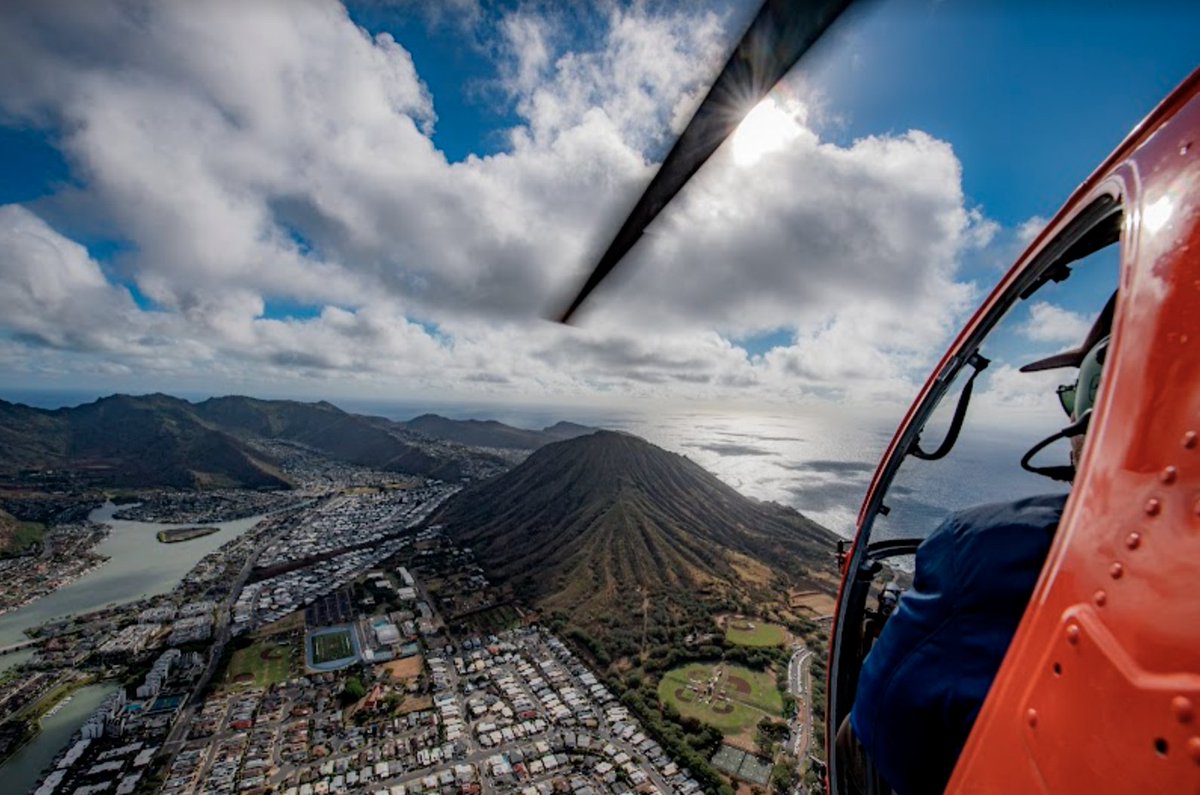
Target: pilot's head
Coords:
[[1079, 397]]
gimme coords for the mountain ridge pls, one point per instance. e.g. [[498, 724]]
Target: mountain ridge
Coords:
[[159, 440], [491, 433], [123, 440]]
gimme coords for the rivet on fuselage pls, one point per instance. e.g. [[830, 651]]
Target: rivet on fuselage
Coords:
[[1031, 718], [1100, 598], [1153, 506], [1133, 540], [1182, 709], [1073, 634], [1189, 440], [1116, 570], [1193, 746], [1168, 475]]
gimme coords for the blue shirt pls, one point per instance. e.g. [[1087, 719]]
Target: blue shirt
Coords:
[[924, 681]]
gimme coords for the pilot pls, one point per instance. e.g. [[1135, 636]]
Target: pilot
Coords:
[[924, 681]]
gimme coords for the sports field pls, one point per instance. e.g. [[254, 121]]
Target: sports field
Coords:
[[751, 632], [267, 662], [727, 697], [331, 646]]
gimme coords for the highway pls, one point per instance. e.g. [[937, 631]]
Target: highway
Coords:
[[800, 688]]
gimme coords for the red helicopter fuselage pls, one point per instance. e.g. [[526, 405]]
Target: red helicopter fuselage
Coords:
[[1100, 688]]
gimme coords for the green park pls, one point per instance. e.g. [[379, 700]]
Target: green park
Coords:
[[751, 632], [727, 697], [265, 662]]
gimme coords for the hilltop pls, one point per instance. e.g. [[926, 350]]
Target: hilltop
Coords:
[[611, 530]]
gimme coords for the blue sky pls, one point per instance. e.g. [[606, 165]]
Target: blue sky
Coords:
[[398, 221], [1032, 95]]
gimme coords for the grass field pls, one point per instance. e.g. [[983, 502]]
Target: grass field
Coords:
[[739, 699], [404, 670], [266, 662], [16, 536], [331, 646], [750, 632]]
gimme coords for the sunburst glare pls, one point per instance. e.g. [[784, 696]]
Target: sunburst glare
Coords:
[[766, 128]]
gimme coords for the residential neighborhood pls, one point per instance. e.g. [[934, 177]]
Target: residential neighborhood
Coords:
[[314, 654]]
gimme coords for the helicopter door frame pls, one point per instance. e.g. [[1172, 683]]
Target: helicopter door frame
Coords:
[[1098, 222]]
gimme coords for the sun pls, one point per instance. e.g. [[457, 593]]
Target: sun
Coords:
[[766, 128]]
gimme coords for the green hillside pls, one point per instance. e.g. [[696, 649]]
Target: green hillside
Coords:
[[159, 440], [155, 440], [618, 534]]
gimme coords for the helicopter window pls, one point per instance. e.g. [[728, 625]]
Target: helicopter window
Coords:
[[1005, 413], [1009, 410]]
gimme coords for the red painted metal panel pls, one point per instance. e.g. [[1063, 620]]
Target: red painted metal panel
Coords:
[[1100, 690], [1117, 605]]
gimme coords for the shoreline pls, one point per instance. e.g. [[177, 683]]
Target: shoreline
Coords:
[[45, 707], [60, 584]]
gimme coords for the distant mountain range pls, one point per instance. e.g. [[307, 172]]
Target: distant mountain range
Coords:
[[155, 440], [159, 440], [606, 526], [489, 433]]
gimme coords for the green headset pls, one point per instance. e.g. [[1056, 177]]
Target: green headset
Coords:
[[1079, 397], [1078, 400]]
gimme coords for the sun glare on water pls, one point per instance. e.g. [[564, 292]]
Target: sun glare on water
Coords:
[[766, 128]]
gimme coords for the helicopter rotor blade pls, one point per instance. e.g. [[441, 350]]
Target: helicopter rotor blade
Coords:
[[782, 31]]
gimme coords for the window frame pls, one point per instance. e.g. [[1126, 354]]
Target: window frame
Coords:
[[1100, 223]]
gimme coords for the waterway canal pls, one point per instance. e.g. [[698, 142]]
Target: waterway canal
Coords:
[[138, 566], [22, 769]]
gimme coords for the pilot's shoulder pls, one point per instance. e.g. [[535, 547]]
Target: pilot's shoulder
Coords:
[[1041, 512]]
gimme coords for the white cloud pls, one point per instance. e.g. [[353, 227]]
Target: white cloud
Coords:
[[1053, 324], [1008, 387], [54, 294], [1031, 228], [981, 229], [275, 151]]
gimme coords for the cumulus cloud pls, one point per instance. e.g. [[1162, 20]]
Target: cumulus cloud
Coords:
[[1050, 323], [1031, 228], [54, 294], [278, 152], [1031, 393]]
